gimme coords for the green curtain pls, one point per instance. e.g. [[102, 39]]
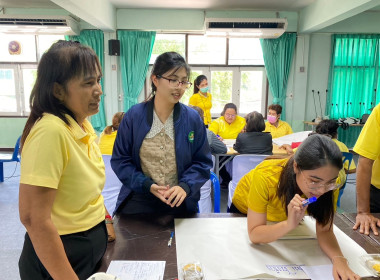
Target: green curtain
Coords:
[[95, 40], [354, 75], [278, 54], [135, 51]]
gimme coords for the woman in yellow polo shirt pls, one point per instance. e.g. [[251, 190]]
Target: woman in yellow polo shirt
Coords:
[[275, 191], [62, 171], [229, 125], [202, 98]]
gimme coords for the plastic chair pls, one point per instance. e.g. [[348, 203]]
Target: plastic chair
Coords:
[[205, 201], [346, 157], [241, 165], [112, 186], [9, 158], [215, 182]]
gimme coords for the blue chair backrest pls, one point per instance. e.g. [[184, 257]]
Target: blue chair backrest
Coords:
[[215, 181], [15, 156]]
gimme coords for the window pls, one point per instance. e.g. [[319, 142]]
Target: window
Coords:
[[168, 43], [17, 48], [231, 77], [17, 79], [245, 51], [206, 50], [8, 100]]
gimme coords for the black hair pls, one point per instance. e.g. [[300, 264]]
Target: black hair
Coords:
[[314, 152], [255, 122], [228, 106], [166, 62], [275, 107], [197, 82], [116, 120], [199, 110], [329, 127], [63, 61]]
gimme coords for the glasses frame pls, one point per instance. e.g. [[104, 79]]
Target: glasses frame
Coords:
[[230, 115], [185, 85], [317, 186]]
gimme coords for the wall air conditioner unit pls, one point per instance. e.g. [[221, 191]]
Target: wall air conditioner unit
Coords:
[[42, 25], [246, 28]]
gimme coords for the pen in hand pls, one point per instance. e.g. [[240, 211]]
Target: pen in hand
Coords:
[[309, 200], [170, 239]]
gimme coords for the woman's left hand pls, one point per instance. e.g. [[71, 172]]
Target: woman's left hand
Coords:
[[341, 270], [111, 232], [175, 196]]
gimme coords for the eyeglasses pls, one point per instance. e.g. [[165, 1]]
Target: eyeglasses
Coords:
[[230, 115], [175, 83], [314, 186]]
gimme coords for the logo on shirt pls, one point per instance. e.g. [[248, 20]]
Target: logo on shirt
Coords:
[[191, 136]]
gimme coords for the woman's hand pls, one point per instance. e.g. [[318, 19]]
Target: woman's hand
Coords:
[[365, 222], [110, 232], [287, 148], [175, 196], [341, 270], [296, 211], [159, 191]]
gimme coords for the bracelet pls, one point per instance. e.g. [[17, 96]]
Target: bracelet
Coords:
[[109, 221], [332, 259], [108, 217]]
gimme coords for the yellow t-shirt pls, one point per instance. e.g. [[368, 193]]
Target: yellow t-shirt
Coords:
[[225, 130], [106, 142], [257, 190], [368, 144], [67, 159], [342, 173], [205, 103], [282, 129]]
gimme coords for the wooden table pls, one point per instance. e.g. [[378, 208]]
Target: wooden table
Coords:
[[145, 237]]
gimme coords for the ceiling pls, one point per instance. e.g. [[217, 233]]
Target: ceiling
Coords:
[[270, 5], [260, 5]]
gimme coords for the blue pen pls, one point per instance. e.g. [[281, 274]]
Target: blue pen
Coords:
[[170, 239], [309, 200]]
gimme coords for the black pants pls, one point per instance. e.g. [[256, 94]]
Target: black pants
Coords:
[[83, 249], [137, 203], [233, 209], [374, 199]]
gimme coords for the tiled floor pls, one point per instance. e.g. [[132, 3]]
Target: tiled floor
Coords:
[[12, 231]]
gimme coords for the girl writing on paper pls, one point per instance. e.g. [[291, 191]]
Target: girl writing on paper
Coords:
[[275, 190]]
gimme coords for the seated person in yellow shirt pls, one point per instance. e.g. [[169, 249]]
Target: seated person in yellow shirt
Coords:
[[274, 125], [330, 128], [108, 136], [229, 125], [275, 191]]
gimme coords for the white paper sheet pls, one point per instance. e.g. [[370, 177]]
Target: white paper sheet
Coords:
[[223, 248], [319, 272], [290, 138], [137, 270]]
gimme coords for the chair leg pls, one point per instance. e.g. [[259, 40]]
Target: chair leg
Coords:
[[1, 172]]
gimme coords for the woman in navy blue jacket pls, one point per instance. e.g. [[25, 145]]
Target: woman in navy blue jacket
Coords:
[[161, 153]]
